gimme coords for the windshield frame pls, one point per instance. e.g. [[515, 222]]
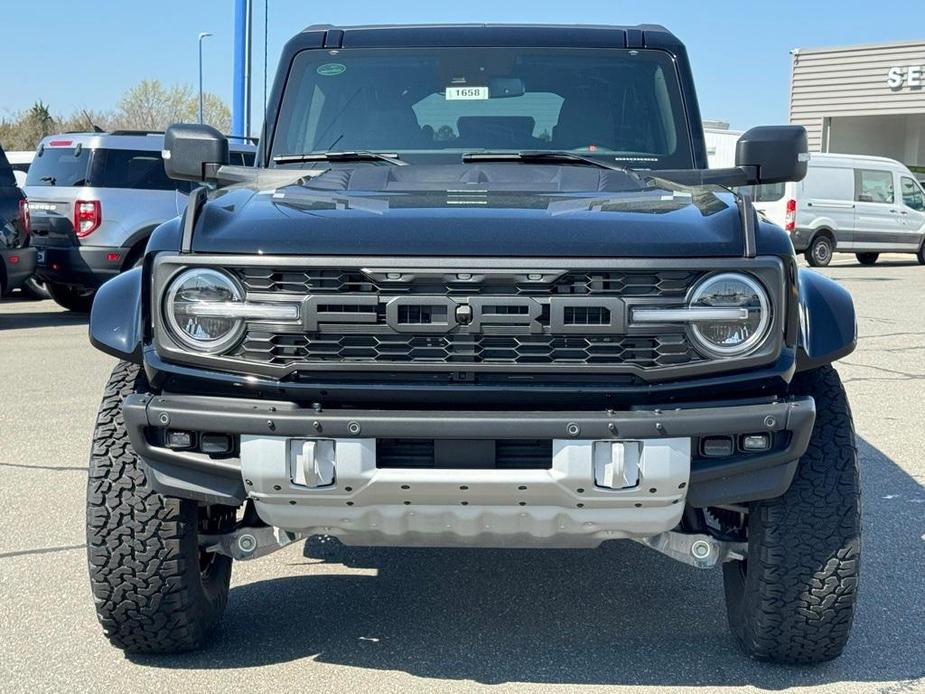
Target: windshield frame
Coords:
[[684, 116]]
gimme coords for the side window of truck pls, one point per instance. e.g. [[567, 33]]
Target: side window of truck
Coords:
[[873, 186], [912, 194]]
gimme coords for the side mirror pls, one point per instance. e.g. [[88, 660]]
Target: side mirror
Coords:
[[194, 152], [776, 153]]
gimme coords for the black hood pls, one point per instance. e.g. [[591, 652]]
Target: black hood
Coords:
[[472, 210]]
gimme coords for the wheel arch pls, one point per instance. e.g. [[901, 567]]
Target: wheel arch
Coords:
[[826, 231], [137, 243]]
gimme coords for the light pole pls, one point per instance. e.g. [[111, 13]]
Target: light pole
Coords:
[[202, 35]]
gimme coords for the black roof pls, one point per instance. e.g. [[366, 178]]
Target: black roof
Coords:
[[424, 35]]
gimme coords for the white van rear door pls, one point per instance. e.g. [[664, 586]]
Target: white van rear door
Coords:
[[826, 200]]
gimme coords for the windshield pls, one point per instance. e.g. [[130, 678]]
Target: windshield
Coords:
[[429, 105]]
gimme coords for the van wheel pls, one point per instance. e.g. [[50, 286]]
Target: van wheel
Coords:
[[921, 254], [819, 253], [74, 299], [867, 258]]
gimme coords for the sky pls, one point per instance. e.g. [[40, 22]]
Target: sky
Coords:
[[85, 55]]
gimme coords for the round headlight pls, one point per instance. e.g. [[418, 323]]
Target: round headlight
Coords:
[[731, 336], [194, 306]]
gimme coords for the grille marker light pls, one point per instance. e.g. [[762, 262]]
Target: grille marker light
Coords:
[[688, 315], [246, 310]]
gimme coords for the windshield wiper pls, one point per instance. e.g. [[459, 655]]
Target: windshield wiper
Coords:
[[543, 157], [391, 158]]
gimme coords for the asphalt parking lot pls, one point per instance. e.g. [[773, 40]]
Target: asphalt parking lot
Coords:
[[322, 619]]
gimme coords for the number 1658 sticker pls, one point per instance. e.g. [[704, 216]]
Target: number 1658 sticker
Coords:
[[466, 93]]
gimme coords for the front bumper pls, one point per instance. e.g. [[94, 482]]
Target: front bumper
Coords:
[[558, 506], [83, 266], [18, 266]]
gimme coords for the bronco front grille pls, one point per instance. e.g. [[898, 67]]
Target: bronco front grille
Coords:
[[517, 318], [455, 318]]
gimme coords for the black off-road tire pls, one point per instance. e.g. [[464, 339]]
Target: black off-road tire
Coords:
[[867, 258], [71, 298], [819, 253], [793, 599], [155, 591]]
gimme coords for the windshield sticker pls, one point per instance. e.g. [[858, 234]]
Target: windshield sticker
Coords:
[[331, 69], [466, 93]]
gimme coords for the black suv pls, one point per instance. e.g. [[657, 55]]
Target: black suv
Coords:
[[480, 290], [17, 259]]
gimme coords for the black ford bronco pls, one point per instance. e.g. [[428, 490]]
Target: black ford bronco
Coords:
[[480, 289]]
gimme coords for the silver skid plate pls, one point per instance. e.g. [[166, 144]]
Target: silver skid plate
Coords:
[[557, 507]]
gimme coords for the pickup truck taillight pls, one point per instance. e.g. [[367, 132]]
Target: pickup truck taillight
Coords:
[[87, 217], [25, 219], [790, 221]]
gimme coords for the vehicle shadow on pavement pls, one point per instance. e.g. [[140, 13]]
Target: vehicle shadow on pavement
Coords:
[[622, 614], [28, 320]]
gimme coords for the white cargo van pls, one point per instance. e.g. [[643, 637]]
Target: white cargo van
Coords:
[[849, 204]]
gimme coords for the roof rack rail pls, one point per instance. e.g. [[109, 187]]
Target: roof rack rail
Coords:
[[137, 132], [97, 130]]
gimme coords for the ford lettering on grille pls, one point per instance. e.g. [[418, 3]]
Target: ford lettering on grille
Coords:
[[467, 315]]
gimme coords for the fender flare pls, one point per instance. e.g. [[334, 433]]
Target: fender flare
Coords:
[[115, 319], [824, 230], [139, 239], [828, 325]]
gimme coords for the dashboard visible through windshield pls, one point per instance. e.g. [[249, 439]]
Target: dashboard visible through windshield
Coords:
[[430, 105]]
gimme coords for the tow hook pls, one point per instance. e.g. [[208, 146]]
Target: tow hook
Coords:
[[701, 551], [248, 543]]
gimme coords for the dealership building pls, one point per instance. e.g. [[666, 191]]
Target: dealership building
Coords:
[[867, 99]]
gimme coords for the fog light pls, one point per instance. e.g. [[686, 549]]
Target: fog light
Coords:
[[179, 439], [756, 442], [717, 446], [215, 443]]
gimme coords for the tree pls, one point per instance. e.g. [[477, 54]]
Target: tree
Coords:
[[151, 106], [148, 105], [39, 119], [214, 112]]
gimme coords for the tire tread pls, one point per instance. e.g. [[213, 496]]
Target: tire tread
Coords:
[[141, 546], [800, 588]]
